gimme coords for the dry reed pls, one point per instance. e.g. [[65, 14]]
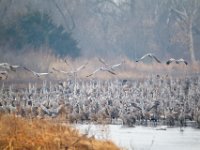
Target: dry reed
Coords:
[[44, 61], [19, 133]]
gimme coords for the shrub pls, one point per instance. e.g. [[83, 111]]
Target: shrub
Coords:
[[36, 30]]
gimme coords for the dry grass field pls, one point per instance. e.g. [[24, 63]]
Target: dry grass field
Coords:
[[44, 61], [19, 133]]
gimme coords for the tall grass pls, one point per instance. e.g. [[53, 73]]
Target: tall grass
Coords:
[[19, 133], [43, 61]]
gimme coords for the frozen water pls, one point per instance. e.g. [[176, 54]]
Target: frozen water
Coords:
[[145, 138]]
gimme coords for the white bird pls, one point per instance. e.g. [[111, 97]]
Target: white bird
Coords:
[[178, 61], [181, 129], [102, 61], [72, 71], [164, 128], [52, 111], [3, 75], [117, 65], [61, 71], [45, 109], [101, 69], [81, 67], [110, 66], [37, 74], [8, 66], [150, 55]]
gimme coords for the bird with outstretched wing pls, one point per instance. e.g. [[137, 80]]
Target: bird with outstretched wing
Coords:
[[101, 69], [102, 61], [9, 67], [150, 55], [37, 74], [3, 75], [177, 61]]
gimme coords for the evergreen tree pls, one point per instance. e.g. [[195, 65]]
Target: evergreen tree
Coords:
[[35, 30]]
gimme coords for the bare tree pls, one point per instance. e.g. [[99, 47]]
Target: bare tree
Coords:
[[5, 6], [67, 24], [185, 13]]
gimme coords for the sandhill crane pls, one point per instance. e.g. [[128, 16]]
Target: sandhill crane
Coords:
[[110, 66], [9, 67], [73, 72], [61, 71], [79, 68], [178, 61], [150, 55], [102, 61], [3, 75], [37, 74], [101, 69], [45, 109], [117, 65]]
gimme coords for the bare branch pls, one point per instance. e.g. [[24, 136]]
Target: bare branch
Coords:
[[64, 18], [6, 7], [181, 14]]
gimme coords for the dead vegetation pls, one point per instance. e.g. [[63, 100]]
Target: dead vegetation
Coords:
[[44, 61], [19, 133]]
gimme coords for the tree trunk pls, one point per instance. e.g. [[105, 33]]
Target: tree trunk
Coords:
[[191, 44]]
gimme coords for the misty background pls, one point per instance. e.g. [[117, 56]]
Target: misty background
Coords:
[[105, 28]]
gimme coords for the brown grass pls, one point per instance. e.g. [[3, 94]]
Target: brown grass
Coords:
[[130, 70], [44, 61], [19, 133]]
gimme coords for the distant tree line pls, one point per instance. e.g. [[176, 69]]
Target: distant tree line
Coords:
[[168, 28], [36, 30]]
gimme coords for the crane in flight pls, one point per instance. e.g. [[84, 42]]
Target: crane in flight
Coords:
[[3, 75], [74, 71], [150, 55], [101, 69], [177, 61], [116, 65], [106, 68], [10, 67], [111, 67], [102, 61], [37, 74], [61, 71]]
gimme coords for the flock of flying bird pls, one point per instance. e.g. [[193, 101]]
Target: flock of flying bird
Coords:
[[106, 67]]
